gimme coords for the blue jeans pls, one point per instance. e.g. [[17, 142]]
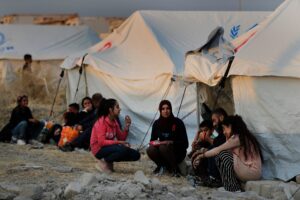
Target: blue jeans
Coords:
[[19, 131], [26, 130], [117, 153]]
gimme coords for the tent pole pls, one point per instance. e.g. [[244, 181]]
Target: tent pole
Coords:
[[198, 103], [57, 89], [85, 80], [80, 73]]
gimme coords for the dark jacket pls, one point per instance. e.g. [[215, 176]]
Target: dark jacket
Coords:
[[19, 114], [175, 132]]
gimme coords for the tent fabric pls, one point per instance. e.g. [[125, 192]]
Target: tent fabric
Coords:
[[265, 78], [271, 110], [48, 45], [274, 49], [136, 62], [175, 32], [44, 42]]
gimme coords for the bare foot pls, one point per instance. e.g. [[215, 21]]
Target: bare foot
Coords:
[[111, 166], [103, 166]]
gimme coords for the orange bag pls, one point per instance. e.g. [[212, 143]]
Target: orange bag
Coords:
[[68, 134]]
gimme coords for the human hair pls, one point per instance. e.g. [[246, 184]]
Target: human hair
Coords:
[[20, 99], [165, 102], [27, 57], [207, 124], [220, 112], [74, 105], [106, 104], [247, 139], [96, 100], [85, 98]]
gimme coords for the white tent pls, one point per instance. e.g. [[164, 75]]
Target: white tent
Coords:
[[48, 45], [137, 61], [264, 82]]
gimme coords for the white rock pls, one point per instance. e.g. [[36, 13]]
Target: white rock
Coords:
[[63, 169], [131, 190], [190, 198], [291, 190], [186, 191], [87, 179], [32, 191], [10, 187], [265, 188], [139, 176], [22, 198], [235, 195], [72, 189]]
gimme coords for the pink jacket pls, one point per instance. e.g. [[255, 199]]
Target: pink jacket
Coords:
[[106, 132]]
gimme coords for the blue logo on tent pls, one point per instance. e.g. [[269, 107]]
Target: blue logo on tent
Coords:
[[2, 38], [234, 31]]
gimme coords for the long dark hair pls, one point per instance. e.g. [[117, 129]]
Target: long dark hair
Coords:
[[247, 139], [104, 107], [85, 98]]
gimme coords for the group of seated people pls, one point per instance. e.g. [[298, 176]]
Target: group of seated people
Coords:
[[224, 152]]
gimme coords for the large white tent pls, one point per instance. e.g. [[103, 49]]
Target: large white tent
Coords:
[[264, 82], [136, 62], [48, 45]]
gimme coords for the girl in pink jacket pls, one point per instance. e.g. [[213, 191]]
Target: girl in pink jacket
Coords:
[[108, 143]]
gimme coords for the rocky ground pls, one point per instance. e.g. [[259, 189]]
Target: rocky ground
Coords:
[[30, 173]]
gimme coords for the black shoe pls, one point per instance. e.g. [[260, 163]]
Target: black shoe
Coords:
[[159, 171], [212, 182], [176, 173]]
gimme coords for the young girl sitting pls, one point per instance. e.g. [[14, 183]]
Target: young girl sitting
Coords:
[[108, 143], [239, 158]]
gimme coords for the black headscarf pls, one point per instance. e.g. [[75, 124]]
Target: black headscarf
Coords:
[[165, 124]]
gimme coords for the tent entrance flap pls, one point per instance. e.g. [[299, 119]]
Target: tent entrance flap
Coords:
[[207, 97]]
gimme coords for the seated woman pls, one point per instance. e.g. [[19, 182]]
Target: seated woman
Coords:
[[239, 158], [87, 108], [108, 143], [168, 141], [23, 125]]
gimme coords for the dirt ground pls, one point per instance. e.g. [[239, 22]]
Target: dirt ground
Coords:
[[25, 165]]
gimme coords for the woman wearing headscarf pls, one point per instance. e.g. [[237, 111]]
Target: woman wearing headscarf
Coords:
[[169, 142]]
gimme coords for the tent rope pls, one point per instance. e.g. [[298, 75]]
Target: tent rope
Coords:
[[292, 196], [57, 89], [153, 119], [181, 100], [80, 73]]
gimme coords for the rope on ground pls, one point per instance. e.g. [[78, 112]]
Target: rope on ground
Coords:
[[152, 121]]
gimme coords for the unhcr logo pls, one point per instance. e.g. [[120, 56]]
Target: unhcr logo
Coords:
[[234, 31], [2, 38], [4, 48]]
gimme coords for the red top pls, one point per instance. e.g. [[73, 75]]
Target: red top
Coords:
[[106, 132]]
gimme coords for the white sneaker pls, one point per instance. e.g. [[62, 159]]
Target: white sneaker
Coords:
[[21, 142], [14, 140]]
